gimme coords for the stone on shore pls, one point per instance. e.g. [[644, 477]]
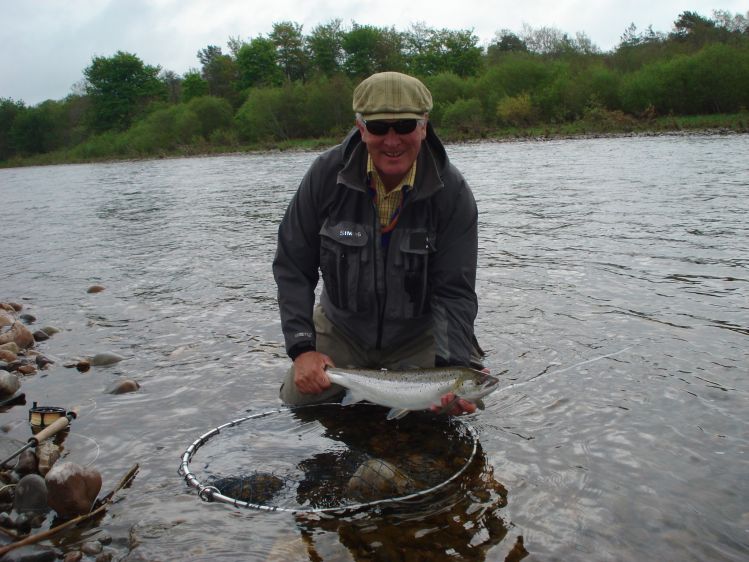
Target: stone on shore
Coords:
[[18, 334], [7, 355], [9, 383], [10, 346], [72, 489], [95, 289], [31, 495]]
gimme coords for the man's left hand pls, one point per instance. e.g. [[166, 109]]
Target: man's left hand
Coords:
[[454, 406]]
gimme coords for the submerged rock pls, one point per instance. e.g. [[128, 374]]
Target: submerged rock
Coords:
[[106, 358], [378, 479], [123, 386], [95, 289]]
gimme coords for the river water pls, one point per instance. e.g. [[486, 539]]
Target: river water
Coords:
[[614, 294]]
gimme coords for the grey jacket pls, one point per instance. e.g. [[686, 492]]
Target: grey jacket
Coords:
[[380, 298]]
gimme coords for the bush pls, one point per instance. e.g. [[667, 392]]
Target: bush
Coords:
[[517, 111], [464, 116], [272, 114], [212, 113], [164, 129]]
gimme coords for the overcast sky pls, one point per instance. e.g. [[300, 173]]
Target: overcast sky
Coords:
[[48, 43]]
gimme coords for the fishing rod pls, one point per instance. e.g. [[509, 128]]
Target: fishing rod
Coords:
[[49, 431]]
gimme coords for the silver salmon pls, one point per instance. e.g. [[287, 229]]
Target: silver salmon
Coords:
[[418, 389]]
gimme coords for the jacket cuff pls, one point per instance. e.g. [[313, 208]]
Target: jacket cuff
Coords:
[[300, 348]]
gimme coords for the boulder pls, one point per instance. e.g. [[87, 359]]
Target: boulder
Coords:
[[7, 355], [40, 335], [18, 334], [31, 495], [72, 488], [10, 346], [9, 383], [95, 289]]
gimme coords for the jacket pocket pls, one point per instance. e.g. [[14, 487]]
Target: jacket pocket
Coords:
[[408, 287], [344, 252]]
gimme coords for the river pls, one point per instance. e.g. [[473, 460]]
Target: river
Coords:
[[613, 286]]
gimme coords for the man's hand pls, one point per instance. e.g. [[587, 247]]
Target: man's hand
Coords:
[[309, 372], [454, 406]]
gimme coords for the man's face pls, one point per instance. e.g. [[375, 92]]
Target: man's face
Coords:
[[392, 153]]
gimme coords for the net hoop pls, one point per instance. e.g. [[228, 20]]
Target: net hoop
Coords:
[[210, 493]]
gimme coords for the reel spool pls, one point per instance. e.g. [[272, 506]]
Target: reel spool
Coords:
[[43, 416]]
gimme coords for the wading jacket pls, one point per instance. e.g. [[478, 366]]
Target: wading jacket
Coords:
[[380, 297]]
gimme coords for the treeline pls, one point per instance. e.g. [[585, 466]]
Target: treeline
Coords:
[[288, 85]]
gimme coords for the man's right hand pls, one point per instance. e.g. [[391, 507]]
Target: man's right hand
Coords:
[[309, 372]]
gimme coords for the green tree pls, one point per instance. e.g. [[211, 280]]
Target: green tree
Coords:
[[430, 51], [325, 46], [257, 63], [290, 53], [193, 85], [220, 72], [9, 111], [371, 49], [39, 129], [119, 88]]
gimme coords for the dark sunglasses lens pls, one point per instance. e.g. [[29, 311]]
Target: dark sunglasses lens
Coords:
[[402, 127]]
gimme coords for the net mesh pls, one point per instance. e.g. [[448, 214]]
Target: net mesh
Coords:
[[328, 457]]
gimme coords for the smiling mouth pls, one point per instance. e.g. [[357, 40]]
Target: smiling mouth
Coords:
[[393, 154]]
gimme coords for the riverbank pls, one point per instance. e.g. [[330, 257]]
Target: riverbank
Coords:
[[596, 124]]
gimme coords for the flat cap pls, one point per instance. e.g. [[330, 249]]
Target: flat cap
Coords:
[[392, 95]]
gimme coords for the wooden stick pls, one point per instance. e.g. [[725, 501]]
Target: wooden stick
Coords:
[[32, 539]]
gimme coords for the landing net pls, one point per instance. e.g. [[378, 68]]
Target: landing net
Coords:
[[327, 458]]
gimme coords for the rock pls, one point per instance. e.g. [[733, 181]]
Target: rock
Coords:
[[377, 479], [31, 553], [9, 383], [42, 361], [40, 335], [19, 334], [4, 366], [51, 330], [106, 358], [10, 346], [7, 355], [104, 557], [27, 318], [31, 495], [17, 307], [83, 365], [123, 386], [27, 463], [26, 369], [95, 289], [7, 307], [72, 488], [73, 556], [92, 547], [47, 454], [6, 319]]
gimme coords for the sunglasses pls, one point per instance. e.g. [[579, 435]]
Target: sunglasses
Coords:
[[402, 127]]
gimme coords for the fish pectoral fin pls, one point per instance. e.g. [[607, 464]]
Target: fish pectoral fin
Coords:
[[396, 414], [350, 398]]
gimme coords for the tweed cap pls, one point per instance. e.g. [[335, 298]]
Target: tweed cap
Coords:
[[392, 95]]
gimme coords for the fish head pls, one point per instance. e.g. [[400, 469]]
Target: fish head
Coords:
[[474, 385]]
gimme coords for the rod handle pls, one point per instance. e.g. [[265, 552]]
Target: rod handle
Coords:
[[54, 428]]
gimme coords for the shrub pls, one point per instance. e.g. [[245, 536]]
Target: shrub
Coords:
[[212, 113], [517, 111], [464, 116]]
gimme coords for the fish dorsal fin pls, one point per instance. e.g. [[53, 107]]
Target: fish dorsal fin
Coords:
[[349, 399], [396, 414]]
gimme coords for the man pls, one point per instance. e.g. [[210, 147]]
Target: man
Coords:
[[392, 226]]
